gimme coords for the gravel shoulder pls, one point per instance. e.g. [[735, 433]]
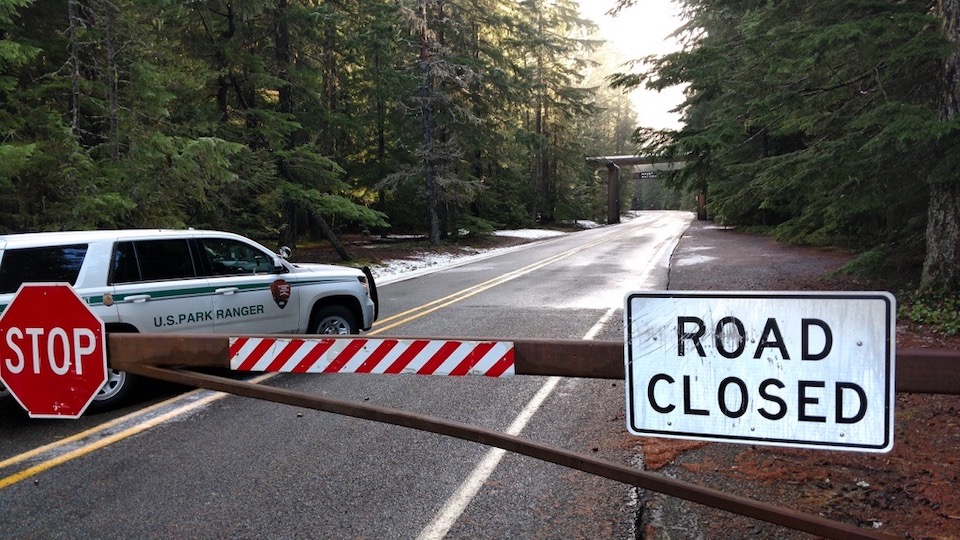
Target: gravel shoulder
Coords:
[[910, 492]]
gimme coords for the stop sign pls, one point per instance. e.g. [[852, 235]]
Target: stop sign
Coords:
[[52, 354]]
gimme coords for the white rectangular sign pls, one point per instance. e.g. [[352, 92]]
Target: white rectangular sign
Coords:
[[810, 370]]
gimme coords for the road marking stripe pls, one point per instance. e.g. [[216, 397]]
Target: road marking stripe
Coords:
[[448, 300], [444, 520], [440, 303], [458, 502], [100, 443], [86, 448]]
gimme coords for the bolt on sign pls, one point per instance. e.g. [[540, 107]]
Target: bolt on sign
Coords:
[[808, 370]]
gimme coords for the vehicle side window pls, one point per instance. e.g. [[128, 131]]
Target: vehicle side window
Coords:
[[125, 268], [152, 260], [229, 257], [51, 264]]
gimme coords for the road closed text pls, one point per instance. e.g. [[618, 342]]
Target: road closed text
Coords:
[[810, 400], [808, 370], [806, 398]]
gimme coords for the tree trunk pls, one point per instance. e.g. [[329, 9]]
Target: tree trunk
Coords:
[[381, 141], [74, 21], [281, 39], [282, 43], [538, 158], [225, 81], [328, 233], [941, 267], [112, 76], [331, 88], [426, 117], [289, 232], [285, 105]]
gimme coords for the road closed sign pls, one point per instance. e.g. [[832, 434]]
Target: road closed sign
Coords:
[[809, 370]]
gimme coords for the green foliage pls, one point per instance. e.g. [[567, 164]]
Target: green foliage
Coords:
[[938, 312], [269, 118], [476, 226], [817, 120], [346, 209], [14, 158], [896, 261]]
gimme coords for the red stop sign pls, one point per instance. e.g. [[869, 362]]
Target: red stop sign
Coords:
[[52, 354]]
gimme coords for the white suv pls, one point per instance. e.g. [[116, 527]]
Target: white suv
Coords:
[[188, 281]]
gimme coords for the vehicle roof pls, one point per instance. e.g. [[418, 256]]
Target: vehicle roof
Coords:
[[67, 237]]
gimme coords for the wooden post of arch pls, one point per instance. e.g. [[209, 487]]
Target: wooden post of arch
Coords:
[[613, 193]]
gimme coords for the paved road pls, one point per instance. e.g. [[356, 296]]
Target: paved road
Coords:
[[234, 468]]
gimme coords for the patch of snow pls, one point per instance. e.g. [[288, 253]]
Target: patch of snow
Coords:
[[395, 270], [694, 260], [529, 233], [392, 271], [396, 267]]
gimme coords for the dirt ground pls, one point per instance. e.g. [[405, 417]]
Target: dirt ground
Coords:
[[912, 492]]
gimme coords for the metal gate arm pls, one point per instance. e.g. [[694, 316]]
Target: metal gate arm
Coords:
[[622, 473], [930, 371]]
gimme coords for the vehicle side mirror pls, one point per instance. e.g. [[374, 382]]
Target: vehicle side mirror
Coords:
[[278, 266]]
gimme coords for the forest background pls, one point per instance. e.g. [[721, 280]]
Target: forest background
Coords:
[[827, 123]]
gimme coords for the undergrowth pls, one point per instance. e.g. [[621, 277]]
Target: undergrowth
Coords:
[[940, 313], [886, 267]]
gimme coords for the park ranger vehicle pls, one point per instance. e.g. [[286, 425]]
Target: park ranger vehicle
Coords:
[[188, 281]]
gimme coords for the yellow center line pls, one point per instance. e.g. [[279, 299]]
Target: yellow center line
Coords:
[[394, 321], [107, 440], [430, 307], [100, 443], [83, 434]]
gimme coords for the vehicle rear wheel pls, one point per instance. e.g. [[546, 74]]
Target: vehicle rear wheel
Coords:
[[116, 391], [336, 320]]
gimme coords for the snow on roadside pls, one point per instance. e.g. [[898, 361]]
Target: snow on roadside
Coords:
[[391, 271], [400, 269], [534, 234]]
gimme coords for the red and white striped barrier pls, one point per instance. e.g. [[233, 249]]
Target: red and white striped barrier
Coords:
[[359, 355]]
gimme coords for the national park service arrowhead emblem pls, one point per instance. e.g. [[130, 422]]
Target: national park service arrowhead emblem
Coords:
[[281, 292]]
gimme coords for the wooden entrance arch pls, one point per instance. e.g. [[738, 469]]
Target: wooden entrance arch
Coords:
[[613, 165]]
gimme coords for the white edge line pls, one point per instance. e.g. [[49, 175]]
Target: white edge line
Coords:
[[458, 502]]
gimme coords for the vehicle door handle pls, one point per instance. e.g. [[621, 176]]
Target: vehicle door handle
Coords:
[[227, 290], [137, 298]]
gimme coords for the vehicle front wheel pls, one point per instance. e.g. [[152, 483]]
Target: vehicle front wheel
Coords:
[[336, 320]]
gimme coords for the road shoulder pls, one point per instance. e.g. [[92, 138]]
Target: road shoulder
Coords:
[[908, 492]]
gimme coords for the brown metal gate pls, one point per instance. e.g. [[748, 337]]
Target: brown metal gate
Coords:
[[170, 358]]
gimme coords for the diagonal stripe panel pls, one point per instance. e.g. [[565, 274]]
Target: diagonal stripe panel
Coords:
[[406, 355], [379, 356]]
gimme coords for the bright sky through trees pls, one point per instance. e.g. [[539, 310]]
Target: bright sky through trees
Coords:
[[638, 31]]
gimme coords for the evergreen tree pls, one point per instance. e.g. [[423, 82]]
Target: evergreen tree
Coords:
[[941, 266], [816, 119], [287, 118], [555, 49]]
